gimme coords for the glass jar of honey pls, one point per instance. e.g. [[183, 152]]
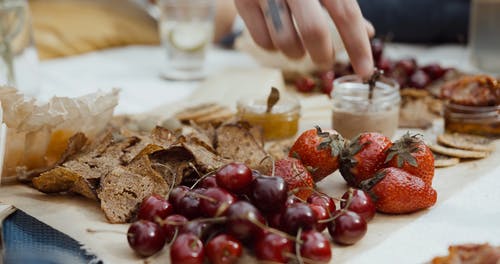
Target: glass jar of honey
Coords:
[[478, 120], [279, 123], [356, 111]]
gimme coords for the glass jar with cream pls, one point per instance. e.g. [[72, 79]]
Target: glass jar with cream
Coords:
[[356, 109]]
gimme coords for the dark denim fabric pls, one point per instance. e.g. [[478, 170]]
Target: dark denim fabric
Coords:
[[29, 241], [419, 21]]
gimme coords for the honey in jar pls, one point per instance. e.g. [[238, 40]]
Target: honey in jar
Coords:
[[282, 121]]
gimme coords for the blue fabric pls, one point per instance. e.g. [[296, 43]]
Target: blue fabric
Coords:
[[29, 241]]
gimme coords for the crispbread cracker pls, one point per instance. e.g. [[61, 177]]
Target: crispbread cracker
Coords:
[[198, 111], [441, 161], [466, 142], [458, 153], [208, 112]]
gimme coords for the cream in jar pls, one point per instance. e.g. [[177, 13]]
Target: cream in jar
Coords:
[[355, 112]]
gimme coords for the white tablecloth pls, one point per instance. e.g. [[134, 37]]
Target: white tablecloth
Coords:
[[471, 215]]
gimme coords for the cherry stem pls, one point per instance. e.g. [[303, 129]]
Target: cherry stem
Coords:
[[297, 247], [349, 198], [163, 222], [171, 187], [341, 211], [272, 230], [174, 237], [90, 230], [298, 189], [201, 196], [201, 178], [292, 256], [220, 219], [273, 169]]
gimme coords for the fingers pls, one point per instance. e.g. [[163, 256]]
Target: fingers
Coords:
[[369, 28], [314, 31], [352, 28], [281, 27], [253, 17]]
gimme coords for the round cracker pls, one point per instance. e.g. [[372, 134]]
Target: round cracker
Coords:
[[441, 161], [458, 153], [465, 141]]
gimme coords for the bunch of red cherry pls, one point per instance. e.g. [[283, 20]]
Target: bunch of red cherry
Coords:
[[236, 207], [405, 71]]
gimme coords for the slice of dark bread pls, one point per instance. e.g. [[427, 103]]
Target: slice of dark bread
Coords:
[[122, 191], [61, 179], [238, 142]]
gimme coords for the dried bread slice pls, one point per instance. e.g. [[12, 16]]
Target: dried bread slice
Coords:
[[458, 153], [61, 179], [441, 161], [238, 142], [466, 141], [159, 136], [122, 191], [280, 149]]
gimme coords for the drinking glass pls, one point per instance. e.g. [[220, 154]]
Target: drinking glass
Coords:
[[18, 56], [186, 29], [484, 34]]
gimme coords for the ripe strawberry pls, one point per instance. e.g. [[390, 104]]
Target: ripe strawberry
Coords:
[[412, 155], [364, 156], [319, 151], [395, 191], [295, 175]]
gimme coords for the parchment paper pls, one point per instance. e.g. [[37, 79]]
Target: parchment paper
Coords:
[[74, 215]]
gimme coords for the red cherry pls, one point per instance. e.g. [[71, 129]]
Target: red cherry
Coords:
[[408, 66], [377, 46], [386, 65], [292, 199], [322, 199], [224, 249], [189, 204], [315, 247], [217, 202], [273, 248], [348, 228], [199, 228], [154, 206], [187, 249], [176, 195], [208, 182], [419, 79], [321, 214], [240, 217], [296, 216], [327, 78], [172, 223], [145, 237], [234, 177], [305, 84], [274, 220], [361, 203], [435, 71], [269, 194]]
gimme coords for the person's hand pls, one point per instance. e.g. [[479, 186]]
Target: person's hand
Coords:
[[271, 26]]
